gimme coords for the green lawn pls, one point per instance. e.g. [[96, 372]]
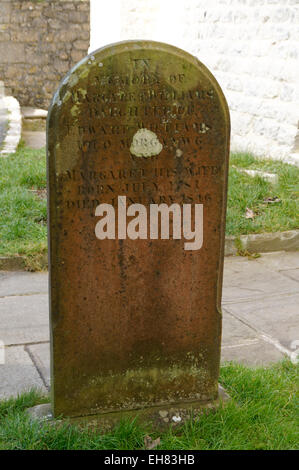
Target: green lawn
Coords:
[[245, 191], [23, 217], [23, 227], [262, 414]]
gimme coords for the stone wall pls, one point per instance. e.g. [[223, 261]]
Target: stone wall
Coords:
[[39, 42], [252, 48]]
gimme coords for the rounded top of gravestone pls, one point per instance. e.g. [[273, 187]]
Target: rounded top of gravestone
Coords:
[[144, 90], [136, 127], [96, 61]]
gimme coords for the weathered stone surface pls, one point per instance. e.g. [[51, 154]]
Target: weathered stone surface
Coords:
[[34, 139], [35, 34], [11, 53], [40, 355], [252, 353], [263, 242], [20, 283], [18, 373], [279, 261], [135, 322], [230, 246], [11, 263], [40, 412], [279, 321], [245, 280], [33, 113], [243, 339], [13, 132], [158, 417], [24, 319], [270, 177], [267, 242]]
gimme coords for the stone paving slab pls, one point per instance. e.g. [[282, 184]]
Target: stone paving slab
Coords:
[[278, 260], [251, 353], [277, 317], [260, 318], [248, 279], [291, 273], [40, 355], [18, 283], [24, 319], [18, 374], [235, 332]]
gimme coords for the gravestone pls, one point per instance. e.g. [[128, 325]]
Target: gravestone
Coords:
[[138, 144]]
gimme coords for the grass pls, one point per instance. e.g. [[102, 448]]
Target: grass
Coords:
[[245, 191], [23, 229], [262, 414], [23, 219]]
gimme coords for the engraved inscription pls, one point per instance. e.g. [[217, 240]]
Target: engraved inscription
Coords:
[[136, 289]]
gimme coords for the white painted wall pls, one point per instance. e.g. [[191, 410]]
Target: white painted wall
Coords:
[[251, 46], [119, 20]]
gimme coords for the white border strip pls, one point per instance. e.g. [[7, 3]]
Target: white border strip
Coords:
[[13, 135]]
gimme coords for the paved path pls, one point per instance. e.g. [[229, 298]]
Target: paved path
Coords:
[[260, 318]]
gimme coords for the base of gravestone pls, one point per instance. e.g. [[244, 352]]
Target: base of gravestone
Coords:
[[157, 417]]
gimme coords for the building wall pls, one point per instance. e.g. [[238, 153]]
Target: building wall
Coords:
[[39, 42], [251, 46]]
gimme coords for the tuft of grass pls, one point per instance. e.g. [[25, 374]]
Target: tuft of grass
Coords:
[[18, 405], [23, 227], [263, 414]]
